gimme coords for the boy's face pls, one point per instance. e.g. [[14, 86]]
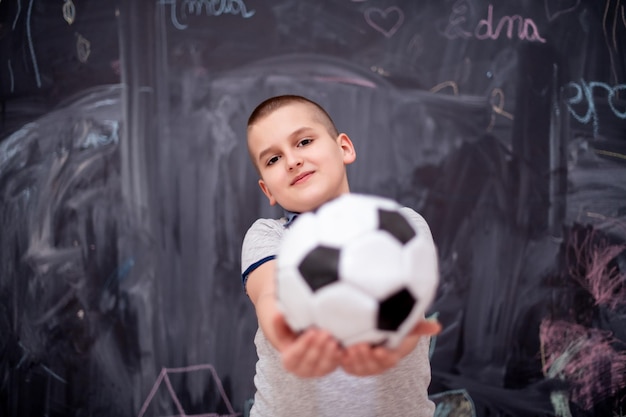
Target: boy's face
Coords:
[[301, 165]]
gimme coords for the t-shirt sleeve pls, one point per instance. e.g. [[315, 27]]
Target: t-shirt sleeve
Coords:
[[260, 244]]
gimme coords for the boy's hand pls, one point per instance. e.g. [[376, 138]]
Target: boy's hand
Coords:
[[312, 353], [363, 359]]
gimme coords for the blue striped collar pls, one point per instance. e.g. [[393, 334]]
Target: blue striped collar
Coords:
[[290, 216]]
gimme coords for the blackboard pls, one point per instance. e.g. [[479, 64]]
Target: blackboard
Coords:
[[126, 191]]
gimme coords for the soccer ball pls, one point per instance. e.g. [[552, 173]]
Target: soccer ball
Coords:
[[358, 267]]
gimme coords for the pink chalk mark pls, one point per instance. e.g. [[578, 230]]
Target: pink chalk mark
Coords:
[[606, 284], [585, 358], [164, 376], [526, 28], [384, 20], [116, 66]]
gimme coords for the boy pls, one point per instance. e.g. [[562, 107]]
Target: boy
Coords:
[[301, 159]]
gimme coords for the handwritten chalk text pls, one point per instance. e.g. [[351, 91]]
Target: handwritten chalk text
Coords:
[[583, 92], [488, 29], [180, 12]]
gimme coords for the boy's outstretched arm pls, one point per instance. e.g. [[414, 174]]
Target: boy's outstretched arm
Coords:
[[309, 354]]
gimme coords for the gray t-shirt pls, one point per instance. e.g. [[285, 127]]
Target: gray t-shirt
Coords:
[[401, 391]]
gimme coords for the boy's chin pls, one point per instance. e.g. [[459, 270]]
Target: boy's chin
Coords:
[[310, 201], [301, 207]]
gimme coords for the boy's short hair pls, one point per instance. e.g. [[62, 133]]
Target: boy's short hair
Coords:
[[274, 103]]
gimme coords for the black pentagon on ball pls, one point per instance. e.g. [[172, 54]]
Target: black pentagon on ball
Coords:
[[320, 267], [395, 309], [396, 224]]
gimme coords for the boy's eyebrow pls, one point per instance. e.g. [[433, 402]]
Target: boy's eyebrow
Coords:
[[293, 134], [265, 152]]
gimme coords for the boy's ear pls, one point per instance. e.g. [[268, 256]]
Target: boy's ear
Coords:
[[267, 192], [347, 147]]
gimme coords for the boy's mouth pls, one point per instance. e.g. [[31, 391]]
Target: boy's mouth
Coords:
[[301, 178]]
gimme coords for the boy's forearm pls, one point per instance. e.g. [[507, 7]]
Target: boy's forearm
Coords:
[[267, 312], [261, 289]]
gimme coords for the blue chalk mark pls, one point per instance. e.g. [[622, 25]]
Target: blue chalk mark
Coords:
[[54, 375], [30, 44], [120, 272], [11, 75], [17, 15]]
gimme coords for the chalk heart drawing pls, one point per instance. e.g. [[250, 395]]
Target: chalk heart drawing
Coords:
[[555, 8], [386, 21]]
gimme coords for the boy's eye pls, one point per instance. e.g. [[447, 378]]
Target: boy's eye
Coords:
[[272, 160], [305, 141]]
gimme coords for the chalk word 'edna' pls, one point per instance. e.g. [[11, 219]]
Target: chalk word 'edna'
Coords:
[[584, 92], [210, 8], [526, 28]]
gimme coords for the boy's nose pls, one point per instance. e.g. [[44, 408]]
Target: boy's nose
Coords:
[[294, 162]]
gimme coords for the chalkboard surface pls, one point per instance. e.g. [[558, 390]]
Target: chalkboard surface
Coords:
[[125, 192]]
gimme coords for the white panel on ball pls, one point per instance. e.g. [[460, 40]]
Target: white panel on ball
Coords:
[[375, 264], [344, 311], [296, 245], [345, 219], [422, 260], [295, 299]]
